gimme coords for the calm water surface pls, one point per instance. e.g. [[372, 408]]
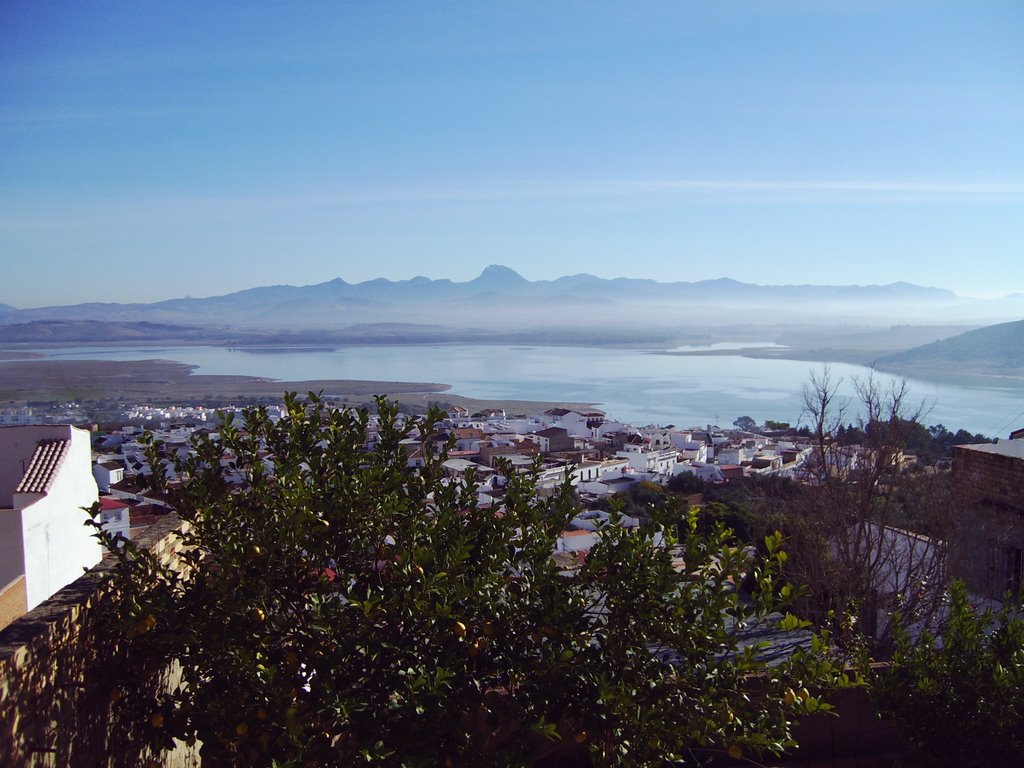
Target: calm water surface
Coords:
[[639, 386]]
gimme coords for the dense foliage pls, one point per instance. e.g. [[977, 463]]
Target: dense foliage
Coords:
[[337, 607], [958, 694], [929, 444]]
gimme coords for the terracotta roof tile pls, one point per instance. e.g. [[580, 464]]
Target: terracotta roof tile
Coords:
[[42, 468]]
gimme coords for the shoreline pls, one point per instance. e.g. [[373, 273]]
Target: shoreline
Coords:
[[161, 381], [27, 375], [166, 379], [103, 387]]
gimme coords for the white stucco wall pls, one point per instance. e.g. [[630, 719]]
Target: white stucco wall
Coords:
[[732, 455], [649, 461], [105, 476], [12, 563], [56, 543], [117, 521]]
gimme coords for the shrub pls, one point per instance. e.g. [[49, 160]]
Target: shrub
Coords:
[[959, 695], [341, 608]]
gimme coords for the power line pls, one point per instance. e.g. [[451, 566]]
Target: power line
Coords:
[[1011, 421]]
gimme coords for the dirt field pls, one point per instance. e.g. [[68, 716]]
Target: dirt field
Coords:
[[145, 381]]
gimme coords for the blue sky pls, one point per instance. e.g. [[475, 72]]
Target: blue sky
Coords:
[[154, 150]]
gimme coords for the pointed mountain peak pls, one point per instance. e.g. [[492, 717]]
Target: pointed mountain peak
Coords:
[[496, 274]]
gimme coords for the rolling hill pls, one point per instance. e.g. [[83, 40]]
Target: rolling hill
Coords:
[[996, 350]]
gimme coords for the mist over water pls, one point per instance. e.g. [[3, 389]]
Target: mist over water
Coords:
[[637, 386]]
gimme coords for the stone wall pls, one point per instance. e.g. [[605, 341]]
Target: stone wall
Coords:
[[13, 601], [990, 486], [986, 476], [54, 710]]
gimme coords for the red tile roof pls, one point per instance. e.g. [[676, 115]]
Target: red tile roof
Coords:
[[47, 459]]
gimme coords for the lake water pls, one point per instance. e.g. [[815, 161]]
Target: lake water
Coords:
[[638, 386]]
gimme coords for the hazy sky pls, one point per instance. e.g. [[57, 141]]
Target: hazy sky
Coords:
[[153, 150]]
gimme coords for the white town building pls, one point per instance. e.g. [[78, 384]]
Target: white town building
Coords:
[[45, 481]]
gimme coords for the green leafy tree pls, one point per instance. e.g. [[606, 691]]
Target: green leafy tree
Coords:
[[745, 423], [686, 482], [963, 437], [958, 693], [338, 608]]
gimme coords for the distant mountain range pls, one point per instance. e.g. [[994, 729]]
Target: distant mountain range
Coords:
[[866, 324], [500, 299]]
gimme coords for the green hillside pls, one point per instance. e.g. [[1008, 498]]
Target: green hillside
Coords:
[[996, 350]]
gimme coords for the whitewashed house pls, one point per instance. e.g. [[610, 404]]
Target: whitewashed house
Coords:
[[709, 473], [115, 516], [642, 459], [107, 473], [576, 423], [731, 454], [45, 482]]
